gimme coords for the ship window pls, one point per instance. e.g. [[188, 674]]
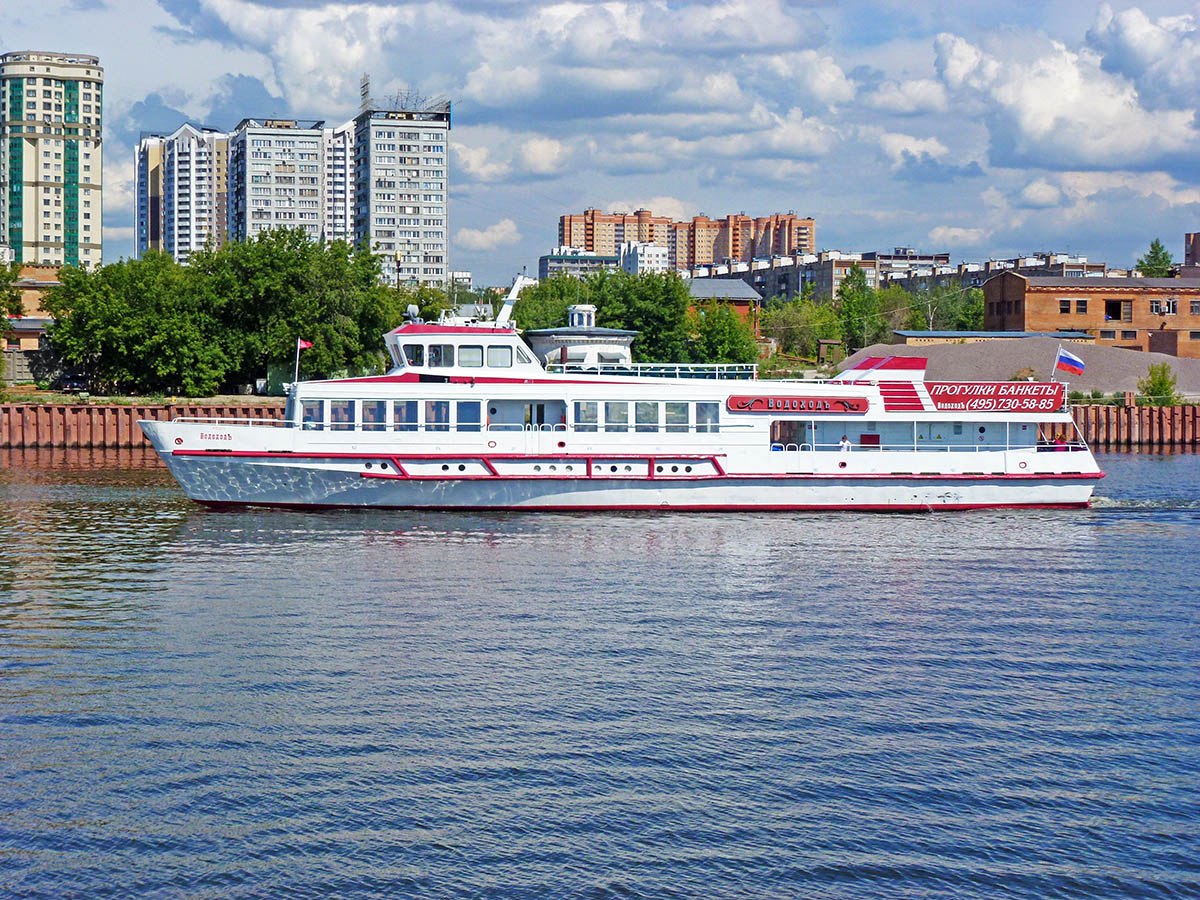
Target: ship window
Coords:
[[441, 356], [374, 415], [499, 357], [404, 415], [586, 415], [958, 427], [468, 414], [676, 416], [522, 356], [437, 412], [414, 354], [645, 415], [707, 417], [313, 414], [616, 416], [471, 356], [341, 415]]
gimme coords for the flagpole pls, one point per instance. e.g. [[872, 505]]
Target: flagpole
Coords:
[[1054, 370], [296, 372]]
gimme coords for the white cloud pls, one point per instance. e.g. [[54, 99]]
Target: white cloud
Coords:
[[1161, 58], [897, 147], [1157, 185], [318, 53], [502, 86], [677, 209], [948, 234], [815, 76], [1040, 194], [118, 233], [477, 164], [543, 155], [503, 234], [1057, 109], [920, 95]]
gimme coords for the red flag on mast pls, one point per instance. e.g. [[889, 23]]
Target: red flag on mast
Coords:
[[302, 344]]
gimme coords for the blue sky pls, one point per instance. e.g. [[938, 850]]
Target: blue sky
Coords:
[[979, 128]]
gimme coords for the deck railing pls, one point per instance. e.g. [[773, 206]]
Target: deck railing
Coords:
[[740, 371]]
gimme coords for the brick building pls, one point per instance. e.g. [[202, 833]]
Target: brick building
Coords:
[[701, 241], [1161, 315]]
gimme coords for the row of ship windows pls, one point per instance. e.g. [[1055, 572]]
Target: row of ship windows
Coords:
[[678, 416], [441, 356]]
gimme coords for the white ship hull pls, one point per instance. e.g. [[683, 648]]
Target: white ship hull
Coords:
[[818, 480]]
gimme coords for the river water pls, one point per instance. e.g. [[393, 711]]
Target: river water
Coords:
[[247, 704]]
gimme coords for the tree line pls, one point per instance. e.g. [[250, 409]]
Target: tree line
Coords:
[[860, 315]]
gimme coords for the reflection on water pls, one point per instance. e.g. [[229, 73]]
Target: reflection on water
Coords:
[[250, 703]]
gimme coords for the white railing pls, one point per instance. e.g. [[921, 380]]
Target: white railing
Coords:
[[725, 371]]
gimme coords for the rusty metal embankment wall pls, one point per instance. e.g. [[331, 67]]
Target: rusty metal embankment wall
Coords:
[[1129, 427], [30, 425]]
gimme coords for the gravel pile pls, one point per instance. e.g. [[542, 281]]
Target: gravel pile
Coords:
[[1108, 369]]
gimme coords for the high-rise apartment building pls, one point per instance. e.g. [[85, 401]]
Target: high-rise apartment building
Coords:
[[276, 172], [182, 189], [51, 157], [401, 189], [698, 242], [339, 183]]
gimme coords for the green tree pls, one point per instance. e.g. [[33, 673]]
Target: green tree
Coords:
[[654, 305], [137, 326], [1157, 262], [722, 336], [10, 296], [859, 311], [281, 286], [544, 305], [1158, 388], [798, 327], [944, 307]]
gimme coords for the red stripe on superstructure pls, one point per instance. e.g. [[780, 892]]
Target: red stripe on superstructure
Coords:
[[889, 364], [901, 396]]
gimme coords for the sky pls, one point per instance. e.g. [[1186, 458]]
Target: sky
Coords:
[[982, 129]]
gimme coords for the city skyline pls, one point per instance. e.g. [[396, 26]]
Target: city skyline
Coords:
[[978, 129]]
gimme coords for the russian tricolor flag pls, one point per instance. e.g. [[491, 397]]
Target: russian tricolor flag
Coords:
[[1068, 362]]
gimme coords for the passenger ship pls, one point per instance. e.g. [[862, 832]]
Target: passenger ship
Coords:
[[470, 418]]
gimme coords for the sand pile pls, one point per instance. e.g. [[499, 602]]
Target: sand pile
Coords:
[[1107, 369]]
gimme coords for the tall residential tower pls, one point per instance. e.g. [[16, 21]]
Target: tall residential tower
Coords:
[[182, 189], [51, 157], [400, 189]]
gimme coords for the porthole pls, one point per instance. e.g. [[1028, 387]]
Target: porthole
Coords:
[[612, 468], [554, 468], [629, 468], [368, 465], [461, 467], [445, 467], [383, 465], [658, 468], [674, 468], [570, 468], [537, 468], [842, 465], [687, 468]]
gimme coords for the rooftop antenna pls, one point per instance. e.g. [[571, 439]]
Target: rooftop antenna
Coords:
[[364, 93]]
